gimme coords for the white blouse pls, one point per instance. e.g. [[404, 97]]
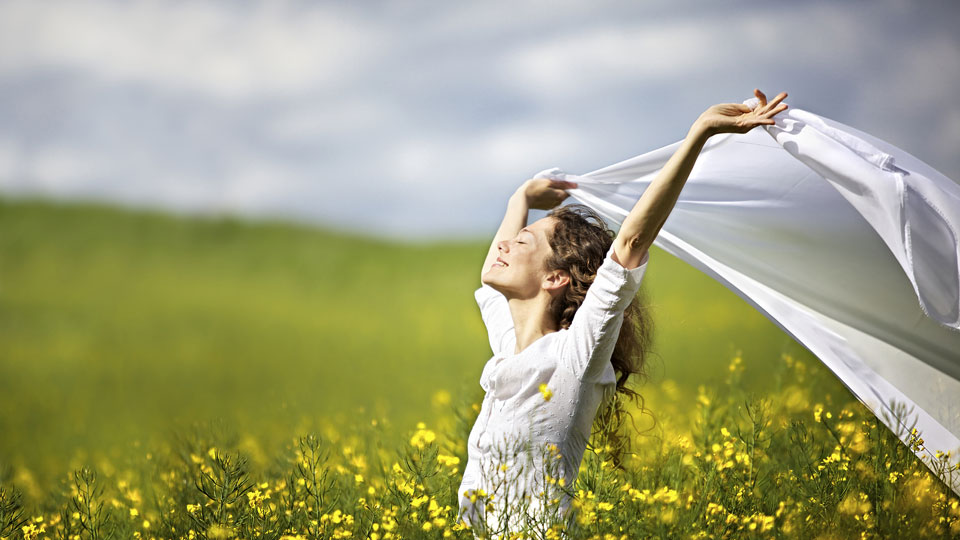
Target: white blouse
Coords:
[[517, 421]]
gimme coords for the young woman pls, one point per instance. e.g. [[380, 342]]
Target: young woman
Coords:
[[553, 299]]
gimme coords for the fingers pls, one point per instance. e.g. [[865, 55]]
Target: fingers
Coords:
[[773, 112], [552, 183], [547, 193], [773, 104], [562, 184], [760, 95], [763, 98], [780, 97], [550, 199]]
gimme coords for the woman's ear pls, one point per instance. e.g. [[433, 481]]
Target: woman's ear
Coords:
[[555, 280]]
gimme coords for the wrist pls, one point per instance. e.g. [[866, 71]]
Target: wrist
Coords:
[[520, 195], [700, 131]]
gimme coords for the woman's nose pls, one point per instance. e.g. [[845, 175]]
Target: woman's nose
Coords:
[[502, 246]]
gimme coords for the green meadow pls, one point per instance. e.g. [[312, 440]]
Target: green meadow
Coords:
[[114, 323], [121, 330]]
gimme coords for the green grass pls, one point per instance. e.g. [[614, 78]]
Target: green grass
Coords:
[[145, 358], [117, 326]]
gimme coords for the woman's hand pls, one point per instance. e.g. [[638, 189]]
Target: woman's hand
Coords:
[[738, 118], [544, 193]]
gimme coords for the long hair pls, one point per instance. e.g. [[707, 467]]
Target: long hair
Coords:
[[580, 242]]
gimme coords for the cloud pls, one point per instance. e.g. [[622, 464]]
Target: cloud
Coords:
[[211, 49], [502, 154], [613, 55], [617, 54], [419, 118]]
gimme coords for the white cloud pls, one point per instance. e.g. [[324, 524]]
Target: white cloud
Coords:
[[64, 169], [612, 54], [503, 156], [625, 53], [309, 120], [420, 117], [218, 49]]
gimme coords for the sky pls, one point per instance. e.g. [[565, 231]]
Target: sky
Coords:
[[417, 120]]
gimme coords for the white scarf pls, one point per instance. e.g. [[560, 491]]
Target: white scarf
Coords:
[[846, 242]]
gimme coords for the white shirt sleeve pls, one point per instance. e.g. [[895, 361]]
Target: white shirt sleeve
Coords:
[[497, 318], [596, 325]]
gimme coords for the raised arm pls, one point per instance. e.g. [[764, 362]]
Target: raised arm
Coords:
[[643, 223], [538, 193]]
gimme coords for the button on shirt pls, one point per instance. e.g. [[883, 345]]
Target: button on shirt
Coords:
[[516, 423]]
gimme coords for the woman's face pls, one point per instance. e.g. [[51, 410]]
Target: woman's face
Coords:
[[520, 271]]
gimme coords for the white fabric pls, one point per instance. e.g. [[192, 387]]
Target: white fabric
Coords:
[[846, 242], [575, 365]]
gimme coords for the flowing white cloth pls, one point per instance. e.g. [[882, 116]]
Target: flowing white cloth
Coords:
[[846, 242]]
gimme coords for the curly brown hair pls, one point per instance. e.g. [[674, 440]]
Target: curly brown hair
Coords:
[[580, 242]]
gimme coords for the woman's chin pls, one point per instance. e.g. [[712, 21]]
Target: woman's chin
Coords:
[[490, 278], [487, 279]]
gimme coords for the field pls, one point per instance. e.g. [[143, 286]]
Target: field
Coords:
[[212, 378]]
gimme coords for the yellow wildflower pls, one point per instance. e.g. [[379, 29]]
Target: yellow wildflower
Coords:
[[423, 436]]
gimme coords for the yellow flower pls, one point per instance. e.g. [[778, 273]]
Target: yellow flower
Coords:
[[423, 436], [31, 531], [547, 393], [449, 461], [702, 396], [858, 503], [735, 363], [441, 398]]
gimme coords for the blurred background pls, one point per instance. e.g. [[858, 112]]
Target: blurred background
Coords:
[[275, 213]]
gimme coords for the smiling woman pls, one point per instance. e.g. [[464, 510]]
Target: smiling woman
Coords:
[[554, 298]]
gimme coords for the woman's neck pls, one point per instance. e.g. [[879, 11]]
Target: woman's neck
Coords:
[[531, 319]]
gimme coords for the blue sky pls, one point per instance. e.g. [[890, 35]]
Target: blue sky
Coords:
[[418, 119]]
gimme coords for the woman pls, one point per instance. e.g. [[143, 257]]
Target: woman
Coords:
[[553, 298]]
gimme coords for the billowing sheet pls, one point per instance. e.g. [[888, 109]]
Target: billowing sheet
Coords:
[[846, 242]]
